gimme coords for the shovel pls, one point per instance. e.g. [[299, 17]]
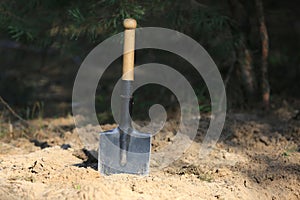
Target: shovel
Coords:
[[123, 149]]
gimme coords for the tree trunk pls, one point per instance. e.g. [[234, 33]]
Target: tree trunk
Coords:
[[244, 56], [246, 68], [265, 87]]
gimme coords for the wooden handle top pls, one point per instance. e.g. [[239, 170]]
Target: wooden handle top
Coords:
[[129, 23], [128, 51]]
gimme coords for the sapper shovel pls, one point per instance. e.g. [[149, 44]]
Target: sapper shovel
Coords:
[[123, 149]]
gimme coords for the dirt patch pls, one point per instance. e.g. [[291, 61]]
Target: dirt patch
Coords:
[[257, 157]]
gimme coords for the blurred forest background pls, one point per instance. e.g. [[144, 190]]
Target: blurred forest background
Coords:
[[255, 44]]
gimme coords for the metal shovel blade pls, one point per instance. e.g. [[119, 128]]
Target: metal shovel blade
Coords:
[[137, 155]]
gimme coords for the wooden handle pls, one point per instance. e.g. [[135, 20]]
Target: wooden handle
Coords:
[[128, 51]]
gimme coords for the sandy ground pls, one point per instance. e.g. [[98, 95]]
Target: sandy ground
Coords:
[[257, 157]]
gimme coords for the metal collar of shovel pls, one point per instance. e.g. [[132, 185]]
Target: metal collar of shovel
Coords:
[[123, 149]]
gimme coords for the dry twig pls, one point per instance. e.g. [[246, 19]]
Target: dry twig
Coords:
[[23, 121]]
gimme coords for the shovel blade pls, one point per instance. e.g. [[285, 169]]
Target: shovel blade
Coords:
[[137, 156]]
